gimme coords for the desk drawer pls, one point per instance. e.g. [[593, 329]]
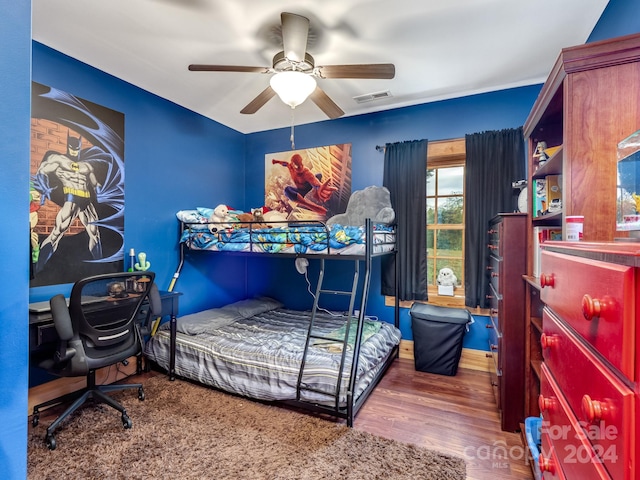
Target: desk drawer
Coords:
[[591, 296], [601, 403], [45, 334], [562, 435]]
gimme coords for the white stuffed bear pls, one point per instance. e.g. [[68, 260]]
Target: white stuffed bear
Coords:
[[220, 216], [446, 277]]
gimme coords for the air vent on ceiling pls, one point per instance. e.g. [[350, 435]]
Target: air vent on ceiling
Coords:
[[370, 97]]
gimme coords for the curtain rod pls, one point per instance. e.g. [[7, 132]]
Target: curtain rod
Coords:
[[382, 148]]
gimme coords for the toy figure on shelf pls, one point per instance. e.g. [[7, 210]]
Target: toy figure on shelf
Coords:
[[142, 265], [540, 156]]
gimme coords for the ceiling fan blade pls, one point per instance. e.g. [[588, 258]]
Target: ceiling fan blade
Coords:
[[227, 68], [295, 29], [371, 70], [258, 102], [328, 106]]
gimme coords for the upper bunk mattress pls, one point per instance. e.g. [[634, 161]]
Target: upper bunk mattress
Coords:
[[282, 237]]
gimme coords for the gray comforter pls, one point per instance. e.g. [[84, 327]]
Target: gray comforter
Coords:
[[255, 349]]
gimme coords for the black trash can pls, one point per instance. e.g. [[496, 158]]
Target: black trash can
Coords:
[[437, 337]]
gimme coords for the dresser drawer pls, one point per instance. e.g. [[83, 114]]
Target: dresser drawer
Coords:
[[591, 296], [495, 341], [548, 463], [495, 270], [562, 435], [602, 404]]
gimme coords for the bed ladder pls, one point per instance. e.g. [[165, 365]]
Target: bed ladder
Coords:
[[312, 336]]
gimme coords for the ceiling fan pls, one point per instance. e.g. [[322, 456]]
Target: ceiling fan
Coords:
[[294, 69]]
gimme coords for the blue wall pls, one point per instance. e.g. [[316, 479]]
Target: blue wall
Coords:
[[15, 113], [169, 151], [174, 159], [435, 121], [621, 17]]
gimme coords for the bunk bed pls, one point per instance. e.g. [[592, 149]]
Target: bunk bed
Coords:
[[320, 360]]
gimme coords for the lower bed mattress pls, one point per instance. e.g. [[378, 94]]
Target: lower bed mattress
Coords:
[[255, 348]]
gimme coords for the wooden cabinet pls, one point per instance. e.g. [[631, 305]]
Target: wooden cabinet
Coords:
[[507, 241], [587, 105], [589, 395]]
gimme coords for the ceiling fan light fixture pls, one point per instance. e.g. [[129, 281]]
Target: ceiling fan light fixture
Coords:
[[293, 87]]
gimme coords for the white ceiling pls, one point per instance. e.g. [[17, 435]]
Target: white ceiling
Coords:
[[441, 48]]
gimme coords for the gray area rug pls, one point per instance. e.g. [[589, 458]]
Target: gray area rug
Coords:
[[186, 431]]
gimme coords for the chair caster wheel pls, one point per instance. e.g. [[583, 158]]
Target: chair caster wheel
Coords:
[[126, 421], [141, 394], [35, 420], [50, 440]]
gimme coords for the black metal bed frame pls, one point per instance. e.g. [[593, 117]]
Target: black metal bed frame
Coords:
[[353, 404]]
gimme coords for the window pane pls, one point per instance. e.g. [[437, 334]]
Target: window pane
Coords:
[[430, 235], [450, 210], [455, 265], [430, 275], [431, 211], [449, 243], [450, 181], [431, 182]]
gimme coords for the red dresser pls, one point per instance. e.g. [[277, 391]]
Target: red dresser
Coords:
[[590, 376]]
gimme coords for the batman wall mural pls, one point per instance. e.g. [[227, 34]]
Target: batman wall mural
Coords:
[[76, 188]]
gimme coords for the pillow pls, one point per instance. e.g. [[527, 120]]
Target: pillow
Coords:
[[194, 218], [252, 306], [204, 321], [215, 318]]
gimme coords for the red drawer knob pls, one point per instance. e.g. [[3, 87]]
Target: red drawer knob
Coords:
[[493, 347], [593, 410], [494, 274], [546, 464], [591, 307], [547, 280], [489, 267], [548, 341], [492, 247], [488, 325], [493, 311], [546, 404]]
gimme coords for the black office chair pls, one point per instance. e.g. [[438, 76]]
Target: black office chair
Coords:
[[99, 328]]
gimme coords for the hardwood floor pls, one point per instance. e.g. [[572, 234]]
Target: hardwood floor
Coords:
[[454, 415]]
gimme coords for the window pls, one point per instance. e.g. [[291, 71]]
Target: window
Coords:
[[445, 217]]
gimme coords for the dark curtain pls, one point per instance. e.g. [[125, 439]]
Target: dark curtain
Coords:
[[405, 175], [494, 160]]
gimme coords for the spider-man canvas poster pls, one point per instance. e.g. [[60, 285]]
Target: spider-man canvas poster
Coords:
[[76, 188], [309, 184]]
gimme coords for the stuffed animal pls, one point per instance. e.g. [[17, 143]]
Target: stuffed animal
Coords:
[[258, 218], [446, 277], [244, 219], [372, 202], [219, 218], [253, 219]]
